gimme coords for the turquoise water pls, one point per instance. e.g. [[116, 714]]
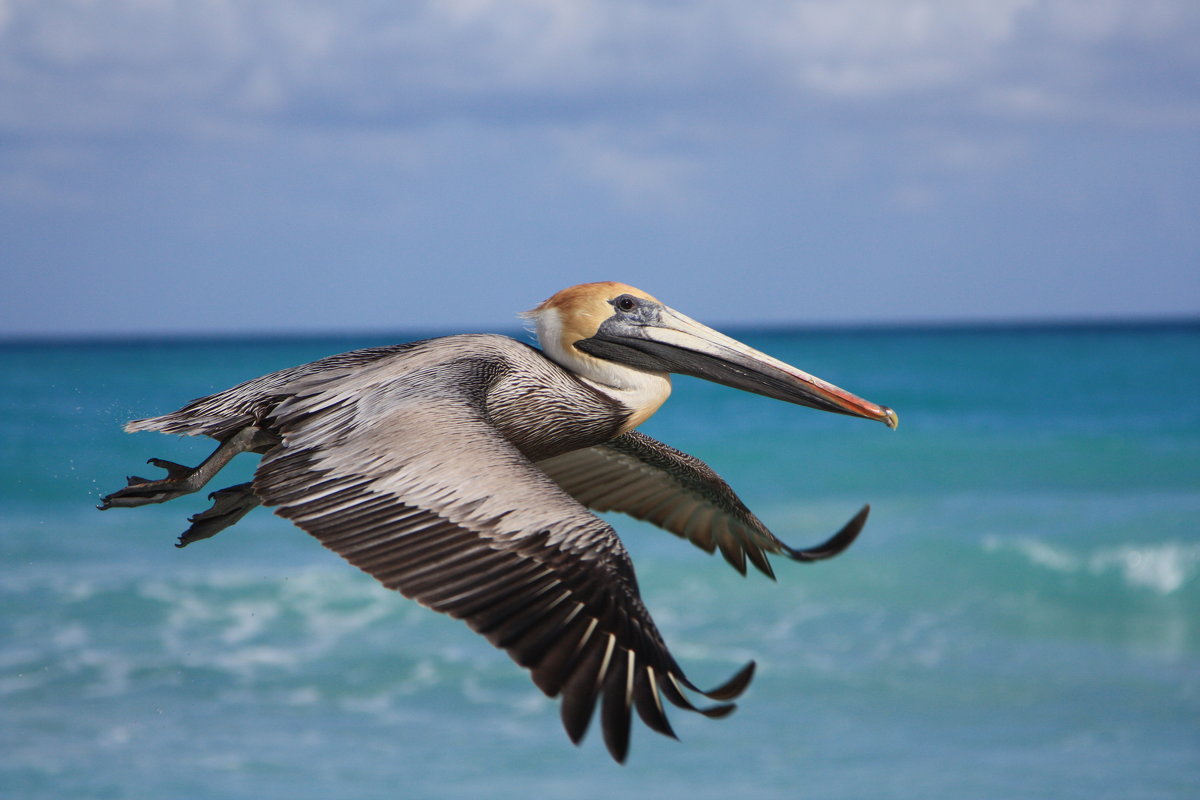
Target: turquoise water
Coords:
[[1021, 617]]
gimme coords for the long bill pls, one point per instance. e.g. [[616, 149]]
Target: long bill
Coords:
[[674, 342]]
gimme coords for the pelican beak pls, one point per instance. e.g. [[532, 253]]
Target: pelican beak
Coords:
[[657, 338]]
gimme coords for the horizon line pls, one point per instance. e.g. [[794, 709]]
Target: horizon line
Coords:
[[998, 324]]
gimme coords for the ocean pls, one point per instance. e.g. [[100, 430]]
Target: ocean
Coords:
[[1019, 619]]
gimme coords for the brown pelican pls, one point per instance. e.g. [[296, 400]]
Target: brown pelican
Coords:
[[459, 471]]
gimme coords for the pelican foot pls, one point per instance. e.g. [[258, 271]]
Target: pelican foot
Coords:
[[183, 480], [180, 480], [229, 506]]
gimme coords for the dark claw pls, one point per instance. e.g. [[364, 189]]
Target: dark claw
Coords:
[[175, 471]]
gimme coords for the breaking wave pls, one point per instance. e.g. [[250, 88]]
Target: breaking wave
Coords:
[[1163, 568]]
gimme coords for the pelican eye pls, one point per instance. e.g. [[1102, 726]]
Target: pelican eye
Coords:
[[625, 302]]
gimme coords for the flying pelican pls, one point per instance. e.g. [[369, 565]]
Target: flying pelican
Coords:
[[458, 471]]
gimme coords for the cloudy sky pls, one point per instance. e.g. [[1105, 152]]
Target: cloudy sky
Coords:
[[292, 165]]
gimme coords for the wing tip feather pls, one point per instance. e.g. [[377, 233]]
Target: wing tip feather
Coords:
[[834, 545]]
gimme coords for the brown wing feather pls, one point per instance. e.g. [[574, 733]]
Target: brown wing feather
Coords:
[[471, 528], [642, 477]]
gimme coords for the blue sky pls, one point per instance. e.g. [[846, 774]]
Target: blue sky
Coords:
[[174, 166]]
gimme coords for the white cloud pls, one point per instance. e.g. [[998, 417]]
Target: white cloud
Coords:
[[132, 62], [867, 48], [658, 78]]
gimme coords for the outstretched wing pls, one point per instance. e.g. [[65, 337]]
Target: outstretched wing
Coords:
[[651, 481], [413, 485]]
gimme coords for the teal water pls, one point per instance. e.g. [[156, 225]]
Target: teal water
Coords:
[[1021, 617]]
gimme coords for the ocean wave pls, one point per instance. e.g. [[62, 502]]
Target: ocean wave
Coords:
[[100, 636], [1163, 568]]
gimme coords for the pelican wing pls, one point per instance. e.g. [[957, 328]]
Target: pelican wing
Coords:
[[414, 486], [651, 481]]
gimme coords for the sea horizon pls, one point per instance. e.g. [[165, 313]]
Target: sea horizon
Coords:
[[949, 326]]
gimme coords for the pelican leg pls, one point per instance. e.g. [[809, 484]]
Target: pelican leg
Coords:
[[182, 480], [230, 505]]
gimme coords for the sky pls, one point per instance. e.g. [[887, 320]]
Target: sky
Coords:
[[281, 166]]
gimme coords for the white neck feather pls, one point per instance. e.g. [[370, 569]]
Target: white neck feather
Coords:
[[640, 391]]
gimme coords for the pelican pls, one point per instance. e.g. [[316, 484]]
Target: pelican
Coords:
[[460, 472]]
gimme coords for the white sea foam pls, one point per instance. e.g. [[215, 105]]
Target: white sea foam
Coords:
[[1163, 567], [245, 614]]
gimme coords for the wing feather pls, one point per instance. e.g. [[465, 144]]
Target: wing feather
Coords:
[[651, 481], [472, 529]]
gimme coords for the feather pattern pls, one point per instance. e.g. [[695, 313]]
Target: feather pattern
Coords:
[[420, 492], [651, 481]]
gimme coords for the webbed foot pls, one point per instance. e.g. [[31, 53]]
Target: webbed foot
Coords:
[[229, 506], [180, 480]]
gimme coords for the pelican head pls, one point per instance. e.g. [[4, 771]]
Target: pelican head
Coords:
[[622, 338]]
